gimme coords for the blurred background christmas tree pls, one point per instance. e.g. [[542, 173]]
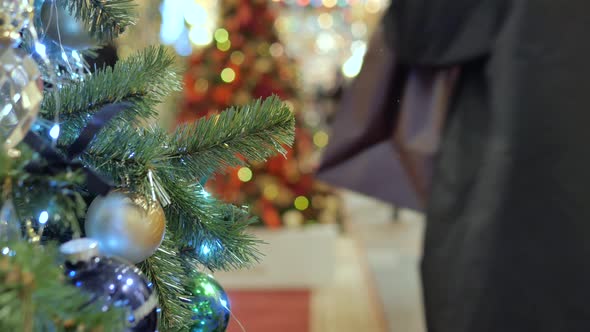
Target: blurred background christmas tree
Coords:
[[247, 60]]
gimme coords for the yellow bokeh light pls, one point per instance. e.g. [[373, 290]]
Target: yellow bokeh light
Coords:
[[224, 46], [372, 6], [228, 75], [201, 85], [271, 192], [325, 20], [321, 139], [330, 3], [221, 35], [263, 49], [293, 218], [237, 57], [245, 174], [282, 24], [276, 49], [301, 203]]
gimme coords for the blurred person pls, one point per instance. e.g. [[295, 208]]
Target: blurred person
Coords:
[[508, 220], [507, 243]]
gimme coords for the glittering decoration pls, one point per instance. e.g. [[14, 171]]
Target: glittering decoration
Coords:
[[112, 283], [126, 225], [9, 223], [209, 304], [21, 93]]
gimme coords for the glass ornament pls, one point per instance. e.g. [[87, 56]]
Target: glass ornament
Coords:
[[112, 282]]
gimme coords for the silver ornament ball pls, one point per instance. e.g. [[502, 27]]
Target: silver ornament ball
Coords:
[[126, 225], [21, 93], [63, 28]]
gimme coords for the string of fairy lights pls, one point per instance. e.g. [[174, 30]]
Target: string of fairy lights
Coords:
[[328, 36]]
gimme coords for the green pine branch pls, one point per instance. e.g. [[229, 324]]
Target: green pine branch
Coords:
[[253, 132], [168, 273], [143, 80], [248, 133], [105, 20], [5, 163], [211, 232], [33, 296]]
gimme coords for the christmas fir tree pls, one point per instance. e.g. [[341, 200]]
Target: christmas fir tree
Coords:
[[245, 61], [81, 157]]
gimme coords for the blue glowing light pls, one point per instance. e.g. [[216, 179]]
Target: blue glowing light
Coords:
[[172, 27], [40, 49], [205, 250], [76, 55], [182, 45], [54, 132], [223, 303], [43, 217]]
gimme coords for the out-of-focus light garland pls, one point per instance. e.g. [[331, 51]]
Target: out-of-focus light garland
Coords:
[[320, 139], [352, 66], [301, 203], [188, 24], [328, 36], [245, 174]]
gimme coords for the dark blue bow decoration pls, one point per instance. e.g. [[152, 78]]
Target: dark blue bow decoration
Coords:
[[57, 162]]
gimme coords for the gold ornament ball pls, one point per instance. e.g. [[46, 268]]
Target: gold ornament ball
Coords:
[[126, 225]]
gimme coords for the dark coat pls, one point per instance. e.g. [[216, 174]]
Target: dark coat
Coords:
[[507, 245]]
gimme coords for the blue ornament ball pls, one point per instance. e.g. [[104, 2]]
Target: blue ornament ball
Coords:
[[210, 305], [112, 282]]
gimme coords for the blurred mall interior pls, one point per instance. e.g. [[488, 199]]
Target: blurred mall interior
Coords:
[[268, 165]]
